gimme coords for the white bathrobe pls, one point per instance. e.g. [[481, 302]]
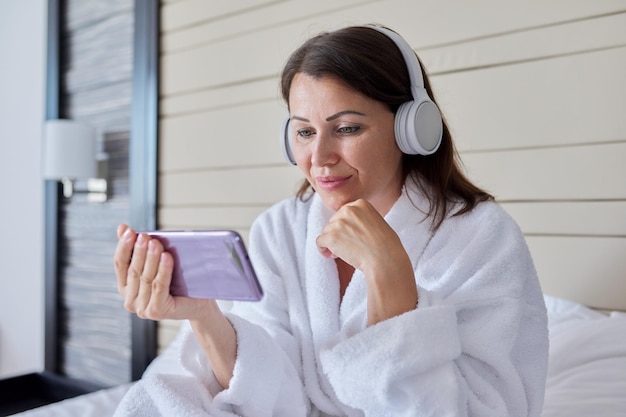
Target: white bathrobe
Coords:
[[476, 345]]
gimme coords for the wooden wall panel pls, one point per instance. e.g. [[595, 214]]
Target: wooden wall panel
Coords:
[[221, 97], [442, 23], [567, 100], [225, 137], [193, 12], [566, 173], [273, 14], [236, 187], [570, 218], [217, 64], [605, 32], [211, 217], [589, 270], [277, 24]]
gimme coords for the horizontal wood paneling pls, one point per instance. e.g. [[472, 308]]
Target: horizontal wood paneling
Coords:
[[565, 173], [567, 100], [225, 137], [570, 218], [202, 70], [276, 13], [514, 47], [590, 270], [459, 24], [215, 64], [440, 23], [221, 97], [245, 186], [192, 12], [211, 217]]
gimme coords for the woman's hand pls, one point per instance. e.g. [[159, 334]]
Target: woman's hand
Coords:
[[361, 237], [144, 272]]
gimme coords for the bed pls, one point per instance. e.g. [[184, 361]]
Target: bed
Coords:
[[586, 372]]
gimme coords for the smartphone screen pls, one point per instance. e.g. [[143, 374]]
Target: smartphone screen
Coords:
[[210, 264]]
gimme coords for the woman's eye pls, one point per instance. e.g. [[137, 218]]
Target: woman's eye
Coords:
[[346, 130], [304, 133]]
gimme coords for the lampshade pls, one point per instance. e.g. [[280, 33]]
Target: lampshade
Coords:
[[69, 150]]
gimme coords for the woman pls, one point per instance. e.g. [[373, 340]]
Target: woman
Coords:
[[393, 285]]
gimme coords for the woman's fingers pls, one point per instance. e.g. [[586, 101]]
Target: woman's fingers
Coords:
[[163, 278], [359, 235], [121, 229], [347, 231], [148, 274], [162, 303], [135, 270], [122, 256]]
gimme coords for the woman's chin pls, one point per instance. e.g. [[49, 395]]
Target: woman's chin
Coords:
[[334, 203]]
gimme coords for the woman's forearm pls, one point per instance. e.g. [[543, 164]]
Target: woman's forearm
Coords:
[[391, 291], [218, 339]]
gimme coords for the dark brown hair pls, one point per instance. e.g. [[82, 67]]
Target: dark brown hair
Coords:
[[371, 63]]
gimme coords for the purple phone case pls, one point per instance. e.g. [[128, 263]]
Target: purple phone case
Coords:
[[210, 264]]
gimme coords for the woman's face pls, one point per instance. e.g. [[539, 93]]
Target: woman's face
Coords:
[[344, 143]]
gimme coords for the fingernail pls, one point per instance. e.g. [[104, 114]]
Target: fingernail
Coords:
[[165, 260]]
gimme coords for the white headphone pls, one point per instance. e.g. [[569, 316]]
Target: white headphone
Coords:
[[417, 126]]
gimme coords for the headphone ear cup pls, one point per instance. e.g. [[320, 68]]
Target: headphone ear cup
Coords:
[[285, 142], [418, 127]]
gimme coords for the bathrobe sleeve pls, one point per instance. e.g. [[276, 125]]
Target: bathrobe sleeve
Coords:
[[265, 382], [477, 343], [267, 379]]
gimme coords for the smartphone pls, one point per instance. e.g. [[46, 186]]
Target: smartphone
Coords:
[[210, 264]]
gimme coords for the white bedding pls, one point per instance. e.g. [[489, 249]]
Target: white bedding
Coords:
[[587, 367], [586, 373], [96, 404]]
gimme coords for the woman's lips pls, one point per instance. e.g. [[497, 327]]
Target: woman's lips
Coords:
[[331, 182]]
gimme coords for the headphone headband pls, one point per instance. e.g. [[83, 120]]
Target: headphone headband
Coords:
[[409, 56]]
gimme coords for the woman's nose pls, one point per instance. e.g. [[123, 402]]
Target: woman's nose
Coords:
[[324, 150]]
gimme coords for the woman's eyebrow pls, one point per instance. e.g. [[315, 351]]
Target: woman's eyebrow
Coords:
[[329, 118], [341, 113]]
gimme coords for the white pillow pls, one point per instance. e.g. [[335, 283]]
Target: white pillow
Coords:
[[560, 310], [587, 366]]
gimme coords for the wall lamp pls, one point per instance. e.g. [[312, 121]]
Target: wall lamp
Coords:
[[70, 157]]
